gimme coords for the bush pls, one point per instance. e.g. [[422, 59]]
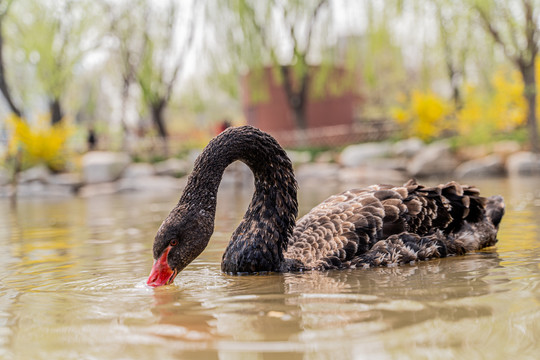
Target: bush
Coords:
[[39, 144], [482, 117]]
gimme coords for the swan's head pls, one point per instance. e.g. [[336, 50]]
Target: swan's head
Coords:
[[180, 239]]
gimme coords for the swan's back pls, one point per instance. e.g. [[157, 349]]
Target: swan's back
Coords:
[[387, 225]]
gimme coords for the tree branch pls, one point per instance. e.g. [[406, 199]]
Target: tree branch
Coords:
[[531, 30], [495, 34], [183, 54], [312, 24]]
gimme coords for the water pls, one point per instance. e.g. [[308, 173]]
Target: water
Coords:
[[72, 286]]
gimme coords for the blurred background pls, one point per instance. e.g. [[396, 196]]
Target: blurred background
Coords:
[[157, 79], [105, 104]]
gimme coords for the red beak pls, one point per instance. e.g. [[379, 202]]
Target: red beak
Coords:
[[161, 273]]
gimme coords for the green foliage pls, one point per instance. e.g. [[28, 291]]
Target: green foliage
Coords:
[[54, 42]]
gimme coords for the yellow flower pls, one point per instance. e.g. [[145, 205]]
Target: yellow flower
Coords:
[[425, 115], [41, 143]]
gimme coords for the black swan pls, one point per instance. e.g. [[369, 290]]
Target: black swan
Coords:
[[380, 225]]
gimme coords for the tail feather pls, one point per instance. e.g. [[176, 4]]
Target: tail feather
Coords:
[[495, 209]]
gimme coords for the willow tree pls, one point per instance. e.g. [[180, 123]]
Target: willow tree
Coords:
[[54, 39], [380, 57], [167, 37], [290, 36], [4, 87], [455, 39], [124, 28], [515, 27]]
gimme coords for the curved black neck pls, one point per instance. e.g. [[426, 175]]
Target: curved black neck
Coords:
[[258, 243]]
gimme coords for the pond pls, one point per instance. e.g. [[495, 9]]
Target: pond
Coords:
[[72, 286]]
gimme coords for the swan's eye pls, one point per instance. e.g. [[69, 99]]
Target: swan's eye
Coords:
[[173, 242]]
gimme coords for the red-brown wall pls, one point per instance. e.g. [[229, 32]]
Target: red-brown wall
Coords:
[[273, 115]]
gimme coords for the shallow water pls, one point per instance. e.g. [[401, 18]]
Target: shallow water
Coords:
[[72, 286]]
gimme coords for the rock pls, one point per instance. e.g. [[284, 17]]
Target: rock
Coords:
[[397, 164], [363, 176], [71, 182], [407, 148], [38, 173], [491, 165], [151, 183], [6, 191], [172, 167], [355, 155], [4, 177], [434, 160], [237, 174], [193, 155], [523, 163], [506, 148], [66, 179], [106, 188], [467, 153], [39, 189], [103, 166], [299, 157], [325, 157], [317, 172], [138, 170]]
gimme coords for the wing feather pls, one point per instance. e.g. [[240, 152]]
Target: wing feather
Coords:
[[337, 232]]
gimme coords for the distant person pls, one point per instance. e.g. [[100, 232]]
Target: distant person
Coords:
[[224, 125], [92, 139]]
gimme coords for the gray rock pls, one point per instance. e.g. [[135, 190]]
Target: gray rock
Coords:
[[6, 191], [172, 167], [66, 179], [506, 147], [138, 170], [491, 165], [193, 155], [4, 177], [325, 157], [317, 172], [91, 190], [355, 155], [363, 176], [408, 147], [434, 160], [237, 174], [37, 173], [523, 163], [39, 189], [397, 164], [299, 157], [103, 166], [151, 184]]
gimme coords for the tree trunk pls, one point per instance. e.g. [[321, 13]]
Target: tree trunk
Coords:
[[159, 122], [299, 113], [296, 99], [4, 88], [297, 102], [298, 109], [455, 83], [55, 109], [127, 132], [528, 73]]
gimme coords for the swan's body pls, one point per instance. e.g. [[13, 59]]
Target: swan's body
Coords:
[[378, 225]]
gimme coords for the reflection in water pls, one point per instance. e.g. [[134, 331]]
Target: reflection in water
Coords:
[[72, 286]]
